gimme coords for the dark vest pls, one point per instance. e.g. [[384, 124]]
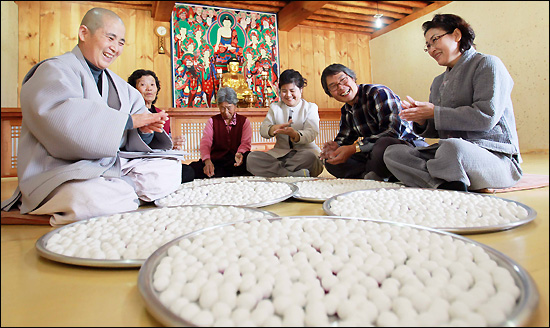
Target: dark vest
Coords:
[[224, 142]]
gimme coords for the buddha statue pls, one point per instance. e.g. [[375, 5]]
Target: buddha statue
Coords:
[[235, 80]]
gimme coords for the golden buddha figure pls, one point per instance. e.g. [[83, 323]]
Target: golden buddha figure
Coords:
[[235, 80]]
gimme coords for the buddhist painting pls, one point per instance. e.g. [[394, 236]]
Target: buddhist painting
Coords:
[[206, 39]]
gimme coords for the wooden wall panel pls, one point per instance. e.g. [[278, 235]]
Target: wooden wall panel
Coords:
[[363, 48], [295, 50], [29, 43], [162, 66], [127, 60], [144, 49], [70, 13], [331, 57], [319, 64], [307, 68], [50, 28], [283, 50], [349, 41]]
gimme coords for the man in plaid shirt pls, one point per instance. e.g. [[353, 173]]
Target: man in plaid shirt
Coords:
[[369, 123]]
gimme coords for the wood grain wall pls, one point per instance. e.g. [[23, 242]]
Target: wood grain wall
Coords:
[[49, 28]]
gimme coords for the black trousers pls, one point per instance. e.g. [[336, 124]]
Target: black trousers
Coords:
[[362, 163], [223, 167], [187, 173]]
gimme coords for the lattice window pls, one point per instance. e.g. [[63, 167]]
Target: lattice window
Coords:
[[15, 133], [327, 132], [256, 136], [193, 133]]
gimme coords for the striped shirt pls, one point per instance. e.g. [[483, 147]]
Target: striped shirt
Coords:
[[374, 115]]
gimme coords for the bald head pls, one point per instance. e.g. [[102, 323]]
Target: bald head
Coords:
[[95, 18], [101, 37]]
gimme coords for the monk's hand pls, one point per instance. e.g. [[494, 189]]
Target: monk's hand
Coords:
[[149, 122]]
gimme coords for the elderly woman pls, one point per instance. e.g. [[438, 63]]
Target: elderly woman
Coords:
[[148, 84], [469, 109], [226, 141]]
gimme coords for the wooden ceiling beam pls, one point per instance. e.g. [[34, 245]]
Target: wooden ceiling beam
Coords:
[[278, 4], [295, 12], [162, 10], [377, 5], [352, 16], [417, 14], [139, 5], [412, 4], [322, 18], [363, 11], [243, 5], [338, 27]]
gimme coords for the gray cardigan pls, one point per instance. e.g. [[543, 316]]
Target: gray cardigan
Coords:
[[70, 131], [473, 102]]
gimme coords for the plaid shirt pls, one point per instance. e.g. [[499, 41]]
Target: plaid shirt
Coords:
[[374, 115]]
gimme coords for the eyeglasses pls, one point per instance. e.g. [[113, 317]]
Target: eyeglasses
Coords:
[[434, 41], [334, 86]]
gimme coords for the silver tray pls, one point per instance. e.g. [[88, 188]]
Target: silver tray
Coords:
[[319, 200], [297, 179], [40, 244], [531, 215], [519, 316], [205, 181], [292, 186]]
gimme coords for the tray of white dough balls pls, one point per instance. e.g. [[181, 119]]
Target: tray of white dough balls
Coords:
[[452, 211], [320, 190], [248, 193], [333, 271], [202, 182], [290, 179], [127, 239]]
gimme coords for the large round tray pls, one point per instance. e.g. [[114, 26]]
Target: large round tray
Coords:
[[292, 186], [519, 316], [459, 230], [41, 243], [292, 179], [321, 200], [201, 182]]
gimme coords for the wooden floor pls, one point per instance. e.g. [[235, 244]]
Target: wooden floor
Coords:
[[39, 292]]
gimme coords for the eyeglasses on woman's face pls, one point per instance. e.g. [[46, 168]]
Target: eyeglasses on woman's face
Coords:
[[434, 41]]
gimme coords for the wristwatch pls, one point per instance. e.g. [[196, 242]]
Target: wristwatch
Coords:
[[357, 149]]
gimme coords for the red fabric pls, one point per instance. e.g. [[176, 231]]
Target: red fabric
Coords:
[[154, 109]]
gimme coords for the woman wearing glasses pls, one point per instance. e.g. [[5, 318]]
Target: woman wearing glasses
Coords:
[[370, 117], [469, 109]]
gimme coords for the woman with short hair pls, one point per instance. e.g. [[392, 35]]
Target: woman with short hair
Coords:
[[470, 111]]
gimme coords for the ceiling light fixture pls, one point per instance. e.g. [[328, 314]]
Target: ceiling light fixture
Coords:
[[378, 16]]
